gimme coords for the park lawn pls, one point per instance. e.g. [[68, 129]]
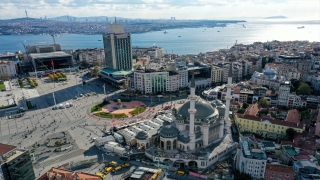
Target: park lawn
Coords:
[[2, 86], [98, 107], [138, 110], [109, 115]]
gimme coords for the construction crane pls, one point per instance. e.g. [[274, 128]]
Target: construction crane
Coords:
[[24, 46], [54, 41]]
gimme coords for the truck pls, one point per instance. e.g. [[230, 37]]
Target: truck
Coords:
[[118, 137]]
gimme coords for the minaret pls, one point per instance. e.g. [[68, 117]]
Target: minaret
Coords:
[[228, 98], [192, 111]]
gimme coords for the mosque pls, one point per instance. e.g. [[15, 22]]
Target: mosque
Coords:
[[195, 135]]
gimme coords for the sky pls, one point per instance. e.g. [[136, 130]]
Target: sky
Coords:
[[154, 9]]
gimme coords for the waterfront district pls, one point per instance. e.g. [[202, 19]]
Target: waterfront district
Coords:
[[248, 112], [22, 26]]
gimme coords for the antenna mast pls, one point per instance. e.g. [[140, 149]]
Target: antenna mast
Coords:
[[25, 9]]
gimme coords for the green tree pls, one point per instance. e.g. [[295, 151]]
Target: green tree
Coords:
[[95, 71], [51, 77], [96, 63], [243, 176], [84, 63], [263, 102], [245, 105], [241, 111], [58, 143], [304, 89], [290, 133], [55, 77]]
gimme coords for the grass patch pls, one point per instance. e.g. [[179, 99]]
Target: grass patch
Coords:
[[98, 107], [109, 115], [29, 105], [137, 111], [122, 100], [2, 86]]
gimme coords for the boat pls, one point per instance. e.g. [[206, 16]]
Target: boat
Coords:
[[244, 26], [179, 36], [301, 27], [99, 40], [218, 31], [165, 32]]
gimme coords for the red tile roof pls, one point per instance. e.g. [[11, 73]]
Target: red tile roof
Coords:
[[279, 168], [252, 110], [293, 116], [66, 175], [4, 148], [272, 120]]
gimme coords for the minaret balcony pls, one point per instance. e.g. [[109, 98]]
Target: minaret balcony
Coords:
[[193, 97], [192, 111]]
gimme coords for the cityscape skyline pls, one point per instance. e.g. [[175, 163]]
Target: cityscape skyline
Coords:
[[155, 9]]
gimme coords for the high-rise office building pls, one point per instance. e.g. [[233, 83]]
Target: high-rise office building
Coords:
[[117, 48], [15, 164]]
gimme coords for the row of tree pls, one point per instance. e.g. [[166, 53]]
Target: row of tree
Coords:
[[57, 76]]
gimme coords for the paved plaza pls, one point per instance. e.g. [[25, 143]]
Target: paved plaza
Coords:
[[41, 123]]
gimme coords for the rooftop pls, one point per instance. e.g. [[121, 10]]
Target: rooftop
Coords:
[[252, 110], [279, 168], [116, 72], [49, 55], [290, 150], [5, 148], [53, 173], [293, 116]]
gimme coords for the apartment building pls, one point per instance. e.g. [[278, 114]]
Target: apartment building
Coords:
[[251, 160], [268, 78], [216, 74], [284, 91], [267, 126], [7, 69], [277, 171], [285, 70], [92, 55]]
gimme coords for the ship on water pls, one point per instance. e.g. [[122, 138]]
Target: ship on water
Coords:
[[165, 32], [301, 27]]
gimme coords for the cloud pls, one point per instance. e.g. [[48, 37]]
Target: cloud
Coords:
[[182, 9]]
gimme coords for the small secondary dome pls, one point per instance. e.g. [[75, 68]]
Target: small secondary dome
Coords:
[[169, 131], [142, 135]]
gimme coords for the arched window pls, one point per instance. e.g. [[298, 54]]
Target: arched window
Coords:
[[198, 128], [168, 145], [187, 127], [174, 144]]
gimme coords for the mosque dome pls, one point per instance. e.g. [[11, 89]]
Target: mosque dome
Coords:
[[168, 131], [269, 71], [141, 135], [204, 109]]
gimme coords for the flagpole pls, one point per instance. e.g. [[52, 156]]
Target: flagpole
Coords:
[[54, 82]]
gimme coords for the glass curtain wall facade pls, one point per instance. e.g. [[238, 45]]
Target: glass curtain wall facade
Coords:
[[19, 168], [159, 83], [123, 53]]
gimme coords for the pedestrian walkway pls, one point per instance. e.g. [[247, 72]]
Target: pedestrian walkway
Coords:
[[59, 159]]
